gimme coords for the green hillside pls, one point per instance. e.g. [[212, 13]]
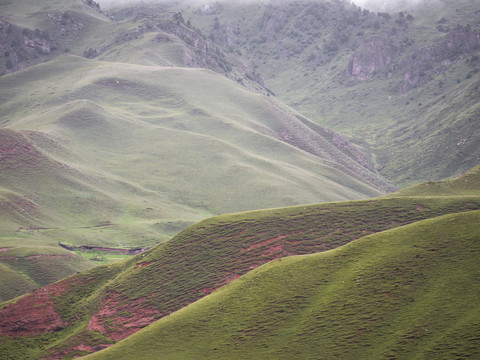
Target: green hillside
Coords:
[[138, 131], [202, 259], [390, 295], [464, 185], [257, 143], [402, 83], [122, 155]]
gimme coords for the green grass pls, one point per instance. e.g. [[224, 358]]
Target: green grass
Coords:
[[223, 152], [14, 284], [389, 295], [85, 143], [215, 251], [426, 134], [122, 152], [102, 256], [466, 184]]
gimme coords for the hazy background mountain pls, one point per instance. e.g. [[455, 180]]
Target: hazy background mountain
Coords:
[[401, 84]]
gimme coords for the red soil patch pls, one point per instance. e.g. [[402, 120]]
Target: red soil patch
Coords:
[[142, 264], [34, 313], [265, 242], [274, 249], [30, 315], [120, 317]]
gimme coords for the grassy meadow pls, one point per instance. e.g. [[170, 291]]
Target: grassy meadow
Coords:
[[130, 148], [123, 155], [271, 236]]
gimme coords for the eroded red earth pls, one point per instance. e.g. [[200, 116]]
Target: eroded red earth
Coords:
[[34, 313], [119, 317]]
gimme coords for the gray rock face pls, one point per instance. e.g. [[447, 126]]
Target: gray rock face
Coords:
[[373, 55]]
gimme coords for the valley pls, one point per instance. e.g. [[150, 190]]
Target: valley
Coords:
[[271, 178]]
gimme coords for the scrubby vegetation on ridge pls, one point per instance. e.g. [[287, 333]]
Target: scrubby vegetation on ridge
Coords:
[[465, 184]]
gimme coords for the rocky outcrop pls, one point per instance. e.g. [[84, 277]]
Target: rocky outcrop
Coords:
[[418, 65], [198, 50], [18, 46], [274, 19], [457, 44], [66, 22], [372, 56]]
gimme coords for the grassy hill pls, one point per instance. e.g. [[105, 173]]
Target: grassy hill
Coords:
[[123, 155], [107, 129], [127, 149], [96, 308], [402, 83], [121, 134], [466, 185], [404, 293]]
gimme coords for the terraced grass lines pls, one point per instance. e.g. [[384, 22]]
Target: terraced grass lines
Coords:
[[389, 295]]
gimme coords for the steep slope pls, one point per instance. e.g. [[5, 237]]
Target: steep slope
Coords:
[[403, 84], [123, 155], [389, 295], [119, 125], [198, 261], [32, 33]]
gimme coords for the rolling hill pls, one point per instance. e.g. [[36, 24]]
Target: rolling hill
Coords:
[[390, 295], [137, 128], [140, 129], [91, 310], [122, 155]]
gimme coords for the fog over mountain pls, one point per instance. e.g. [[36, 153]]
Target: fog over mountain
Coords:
[[394, 4], [370, 4]]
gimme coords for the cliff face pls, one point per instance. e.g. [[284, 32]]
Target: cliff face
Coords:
[[417, 65], [372, 56]]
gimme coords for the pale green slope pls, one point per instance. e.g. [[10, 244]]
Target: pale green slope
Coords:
[[405, 293], [303, 49], [465, 185], [124, 155], [185, 137]]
